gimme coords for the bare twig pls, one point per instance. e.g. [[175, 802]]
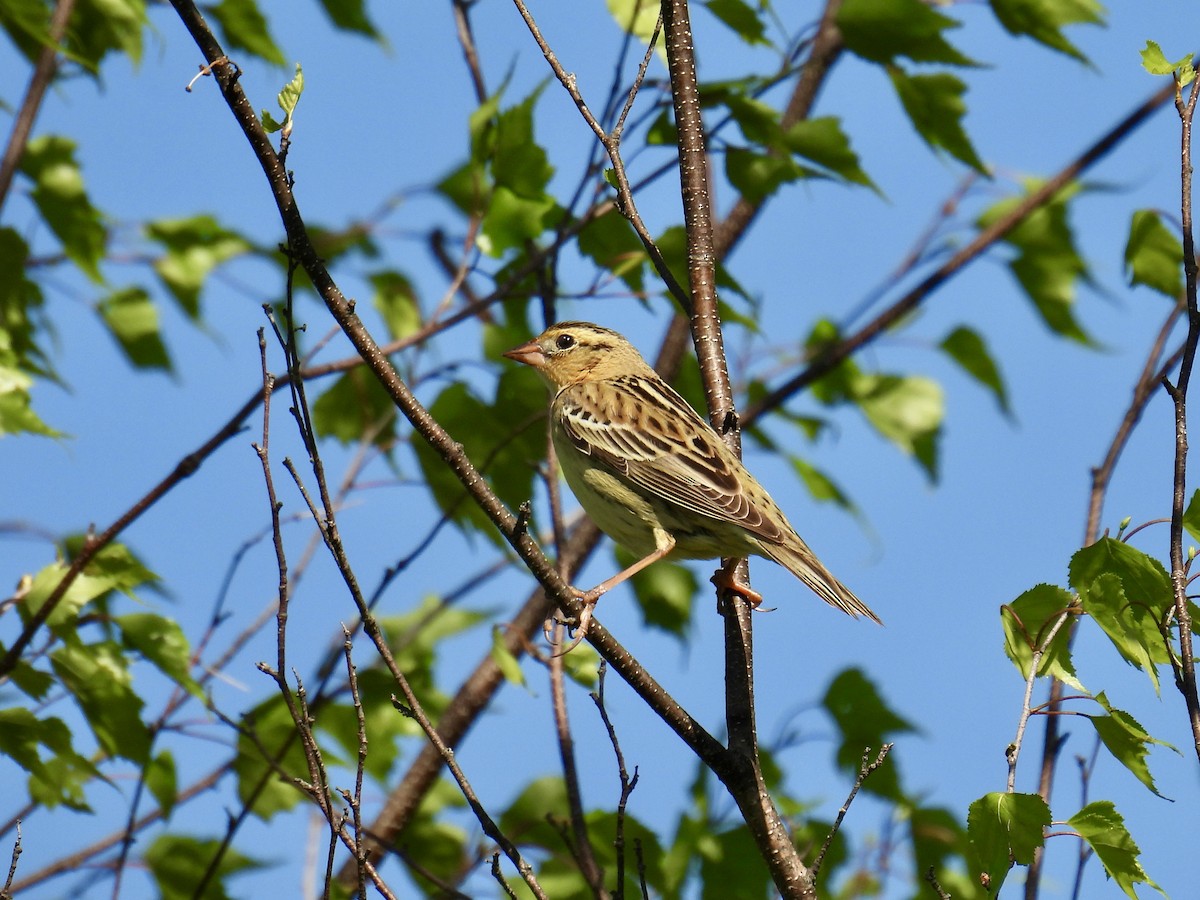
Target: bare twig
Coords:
[[866, 767]]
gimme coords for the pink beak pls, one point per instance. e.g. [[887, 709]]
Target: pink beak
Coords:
[[530, 354]]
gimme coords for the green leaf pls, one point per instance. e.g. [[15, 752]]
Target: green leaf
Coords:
[[132, 319], [1154, 255], [1103, 828], [356, 408], [1127, 594], [113, 568], [288, 97], [1191, 516], [396, 302], [664, 592], [99, 27], [820, 485], [967, 348], [1154, 62], [823, 142], [509, 665], [1027, 622], [864, 720], [97, 676], [741, 19], [162, 782], [881, 30], [58, 780], [1043, 20], [907, 411], [269, 729], [350, 15], [757, 175], [934, 104], [179, 863], [1002, 829], [194, 248], [611, 244], [1047, 265], [161, 641], [636, 17], [511, 221], [62, 201], [245, 28], [1126, 740], [730, 857], [518, 163], [16, 413], [384, 727]]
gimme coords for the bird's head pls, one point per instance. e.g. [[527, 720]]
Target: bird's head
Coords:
[[575, 352]]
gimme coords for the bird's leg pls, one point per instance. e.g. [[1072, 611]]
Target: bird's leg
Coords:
[[725, 580], [664, 545]]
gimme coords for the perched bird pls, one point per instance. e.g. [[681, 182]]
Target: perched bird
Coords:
[[655, 476]]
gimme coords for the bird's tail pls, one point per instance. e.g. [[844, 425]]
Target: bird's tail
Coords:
[[803, 563]]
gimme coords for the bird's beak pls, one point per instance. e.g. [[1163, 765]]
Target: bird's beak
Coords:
[[530, 354]]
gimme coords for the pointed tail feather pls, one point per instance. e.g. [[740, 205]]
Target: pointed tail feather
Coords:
[[803, 563]]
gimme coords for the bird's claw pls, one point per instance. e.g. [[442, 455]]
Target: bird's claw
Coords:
[[581, 627]]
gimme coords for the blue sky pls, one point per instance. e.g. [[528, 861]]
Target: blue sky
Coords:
[[936, 562]]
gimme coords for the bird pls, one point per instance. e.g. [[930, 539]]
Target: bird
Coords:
[[655, 476]]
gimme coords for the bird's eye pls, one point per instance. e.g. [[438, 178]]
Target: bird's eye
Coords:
[[564, 342]]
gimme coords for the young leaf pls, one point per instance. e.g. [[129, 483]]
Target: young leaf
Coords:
[[1027, 622], [162, 782], [823, 142], [881, 30], [1103, 828], [740, 18], [1044, 21], [1154, 255], [1191, 516], [351, 15], [967, 348], [934, 104], [288, 97], [132, 319], [1126, 740], [396, 300], [162, 642], [1155, 62], [1003, 829], [908, 411]]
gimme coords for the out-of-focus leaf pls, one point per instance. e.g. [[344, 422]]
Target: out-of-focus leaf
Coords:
[[518, 162], [525, 819], [1027, 622], [62, 201], [512, 220], [396, 301], [132, 319], [823, 142], [1047, 265], [161, 641], [355, 408], [258, 776], [967, 348], [194, 247], [1102, 827], [741, 18], [664, 591], [907, 410], [935, 107], [508, 664], [20, 300], [162, 782], [820, 485], [99, 27], [97, 676], [729, 857], [1191, 516], [114, 568], [1002, 829], [636, 17], [1043, 21], [245, 28], [610, 242], [864, 721], [1126, 740], [757, 175], [351, 15], [881, 30], [16, 413], [179, 863], [1154, 255]]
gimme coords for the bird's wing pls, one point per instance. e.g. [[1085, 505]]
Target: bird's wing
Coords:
[[641, 429]]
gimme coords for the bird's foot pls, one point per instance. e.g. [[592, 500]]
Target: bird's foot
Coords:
[[725, 581], [581, 626]]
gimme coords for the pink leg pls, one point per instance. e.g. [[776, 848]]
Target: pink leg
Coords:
[[724, 579]]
